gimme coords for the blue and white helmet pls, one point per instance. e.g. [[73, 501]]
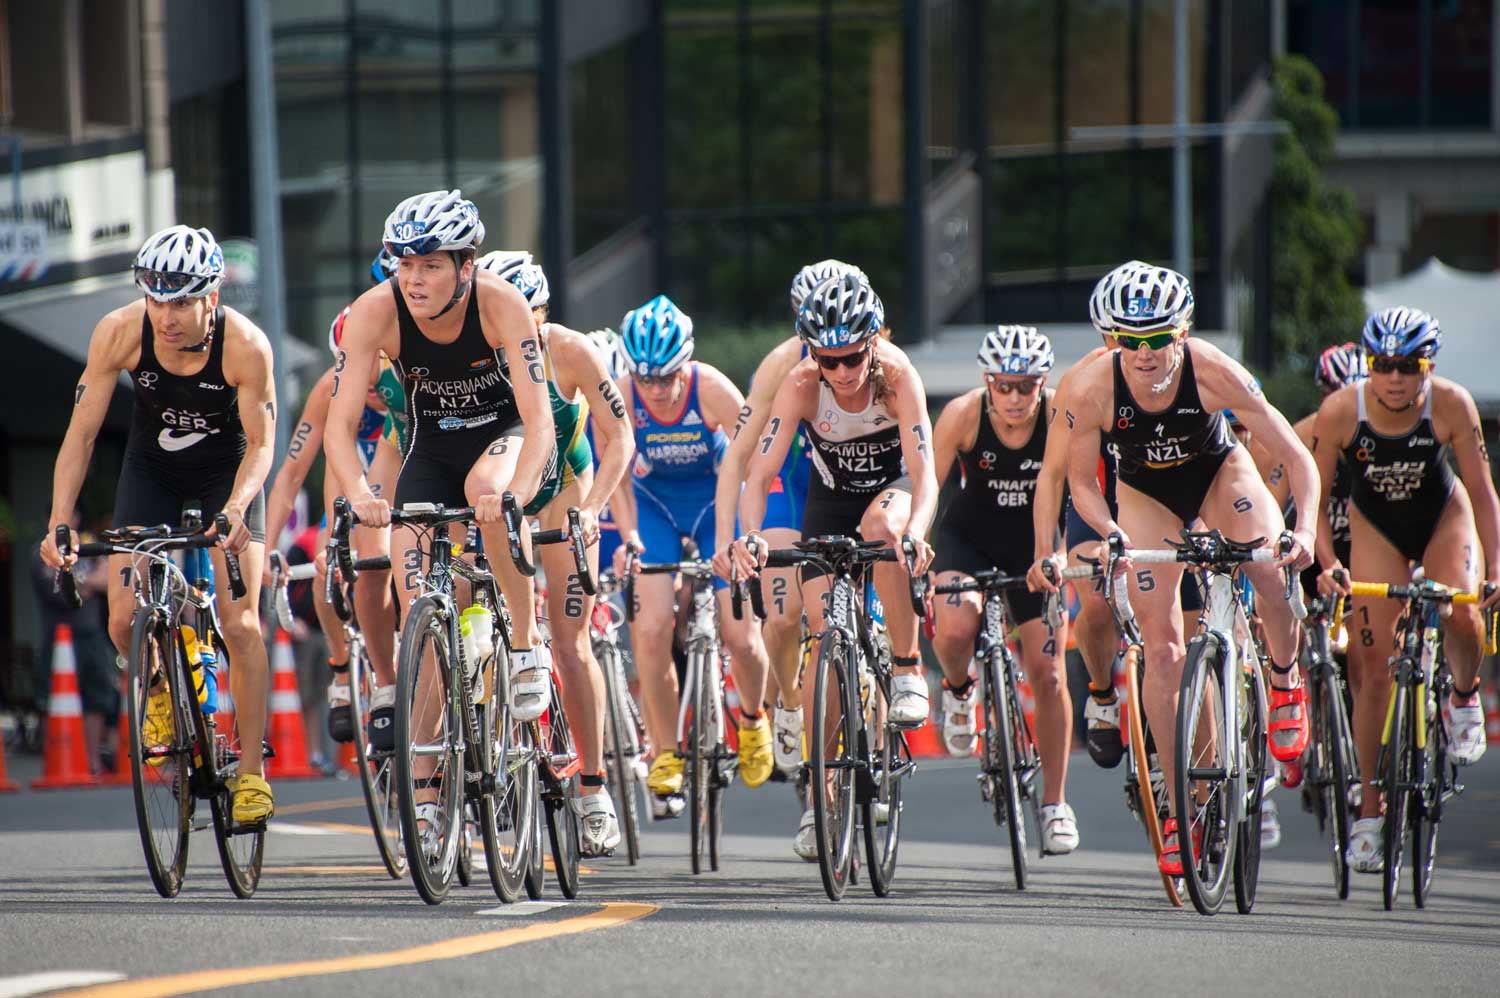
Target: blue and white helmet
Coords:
[[658, 338], [516, 267], [431, 223], [607, 342], [179, 262], [810, 276], [840, 312], [1015, 350], [1098, 313], [1402, 332], [1146, 299], [383, 267]]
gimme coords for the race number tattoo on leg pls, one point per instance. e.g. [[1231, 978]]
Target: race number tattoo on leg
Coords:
[[573, 604], [1243, 504], [779, 590], [499, 446], [1068, 415], [299, 439], [412, 562]]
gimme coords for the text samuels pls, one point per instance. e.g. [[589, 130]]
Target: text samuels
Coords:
[[864, 463]]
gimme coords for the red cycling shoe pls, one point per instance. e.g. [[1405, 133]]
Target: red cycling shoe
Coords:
[[1170, 860], [1294, 697]]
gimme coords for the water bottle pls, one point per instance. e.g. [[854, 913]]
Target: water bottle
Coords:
[[476, 629], [202, 663]]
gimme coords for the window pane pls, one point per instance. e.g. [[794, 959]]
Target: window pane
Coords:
[[1461, 33], [868, 113], [702, 81], [1098, 64], [1319, 30], [786, 108], [606, 117], [949, 76], [1026, 194], [1389, 64], [1157, 57], [498, 163], [1023, 92]]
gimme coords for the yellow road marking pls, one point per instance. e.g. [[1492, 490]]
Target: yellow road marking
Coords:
[[614, 913]]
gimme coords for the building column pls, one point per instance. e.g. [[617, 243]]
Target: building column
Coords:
[[161, 189], [1394, 220]]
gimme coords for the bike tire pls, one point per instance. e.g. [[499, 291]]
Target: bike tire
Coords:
[[425, 633], [376, 771], [1149, 804], [535, 879], [1000, 763], [1333, 751], [562, 807], [1254, 752], [1396, 770], [1027, 761], [715, 753], [622, 753], [695, 767], [1428, 809], [834, 820], [163, 795], [1207, 874], [505, 816], [883, 842], [241, 850]]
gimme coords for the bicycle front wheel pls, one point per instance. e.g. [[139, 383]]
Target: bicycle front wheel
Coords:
[[1000, 763], [1332, 752], [716, 756], [377, 776], [505, 816], [562, 804], [159, 749], [833, 760], [885, 747], [1428, 807], [1396, 770], [1147, 784], [1207, 805], [429, 762], [623, 748], [696, 761], [1253, 753]]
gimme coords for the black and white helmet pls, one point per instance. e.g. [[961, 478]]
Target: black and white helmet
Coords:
[[431, 223], [516, 267], [612, 349], [1098, 314], [179, 262], [1015, 350], [813, 274], [1148, 299], [840, 312]]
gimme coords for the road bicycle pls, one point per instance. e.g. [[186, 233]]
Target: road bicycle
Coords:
[[858, 759], [1330, 778], [1414, 771], [178, 756], [625, 743], [1009, 763]]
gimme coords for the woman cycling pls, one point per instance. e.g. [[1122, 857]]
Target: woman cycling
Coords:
[[1396, 431], [681, 408], [862, 406], [997, 435]]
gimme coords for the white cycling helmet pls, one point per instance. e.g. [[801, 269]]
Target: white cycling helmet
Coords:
[[431, 223], [516, 267], [1147, 299], [612, 349], [842, 311], [810, 276], [1015, 350], [1098, 313], [179, 262]]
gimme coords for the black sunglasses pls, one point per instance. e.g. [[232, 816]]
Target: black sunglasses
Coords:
[[1026, 387], [850, 361], [1398, 365]]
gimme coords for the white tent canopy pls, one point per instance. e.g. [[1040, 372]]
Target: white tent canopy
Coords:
[[1467, 305]]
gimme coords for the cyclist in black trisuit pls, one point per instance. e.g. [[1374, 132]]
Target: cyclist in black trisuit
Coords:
[[202, 434]]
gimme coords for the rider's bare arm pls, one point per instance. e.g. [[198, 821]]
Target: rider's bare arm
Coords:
[[795, 399], [1455, 414], [622, 502], [909, 406], [1333, 424], [1046, 504], [744, 435], [576, 359], [370, 329], [301, 452], [114, 346], [957, 428], [1084, 414], [248, 367], [509, 326]]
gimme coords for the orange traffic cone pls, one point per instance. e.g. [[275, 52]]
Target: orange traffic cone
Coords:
[[348, 761], [287, 735], [66, 764], [1491, 699]]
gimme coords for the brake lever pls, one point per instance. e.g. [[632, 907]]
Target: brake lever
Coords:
[[64, 583], [1293, 582], [231, 560]]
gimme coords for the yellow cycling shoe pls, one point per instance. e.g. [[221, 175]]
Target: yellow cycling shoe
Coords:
[[160, 727], [665, 777], [253, 803], [756, 758]]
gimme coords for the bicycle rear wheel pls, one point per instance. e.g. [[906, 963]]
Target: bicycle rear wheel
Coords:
[[882, 841], [1396, 766], [1149, 787], [562, 802], [377, 777], [622, 749], [1428, 807], [1207, 808], [505, 818], [1024, 753], [535, 879], [1000, 762], [715, 754], [159, 772], [1253, 752], [1331, 757], [241, 850], [429, 763], [833, 760]]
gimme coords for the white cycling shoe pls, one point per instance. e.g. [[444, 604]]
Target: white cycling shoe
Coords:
[[1366, 850], [598, 826], [786, 738], [1270, 825], [960, 722], [1059, 829], [530, 698], [909, 700], [805, 845], [1466, 735]]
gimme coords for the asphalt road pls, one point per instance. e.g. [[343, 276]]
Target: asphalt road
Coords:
[[75, 900]]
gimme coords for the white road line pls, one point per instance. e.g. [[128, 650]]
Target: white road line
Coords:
[[522, 908], [54, 980], [291, 828]]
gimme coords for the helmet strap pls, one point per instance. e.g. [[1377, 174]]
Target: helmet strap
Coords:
[[206, 342], [1166, 382], [459, 291]]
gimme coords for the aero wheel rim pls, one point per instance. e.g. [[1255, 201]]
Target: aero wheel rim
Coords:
[[433, 761], [833, 786], [1206, 815], [164, 802]]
